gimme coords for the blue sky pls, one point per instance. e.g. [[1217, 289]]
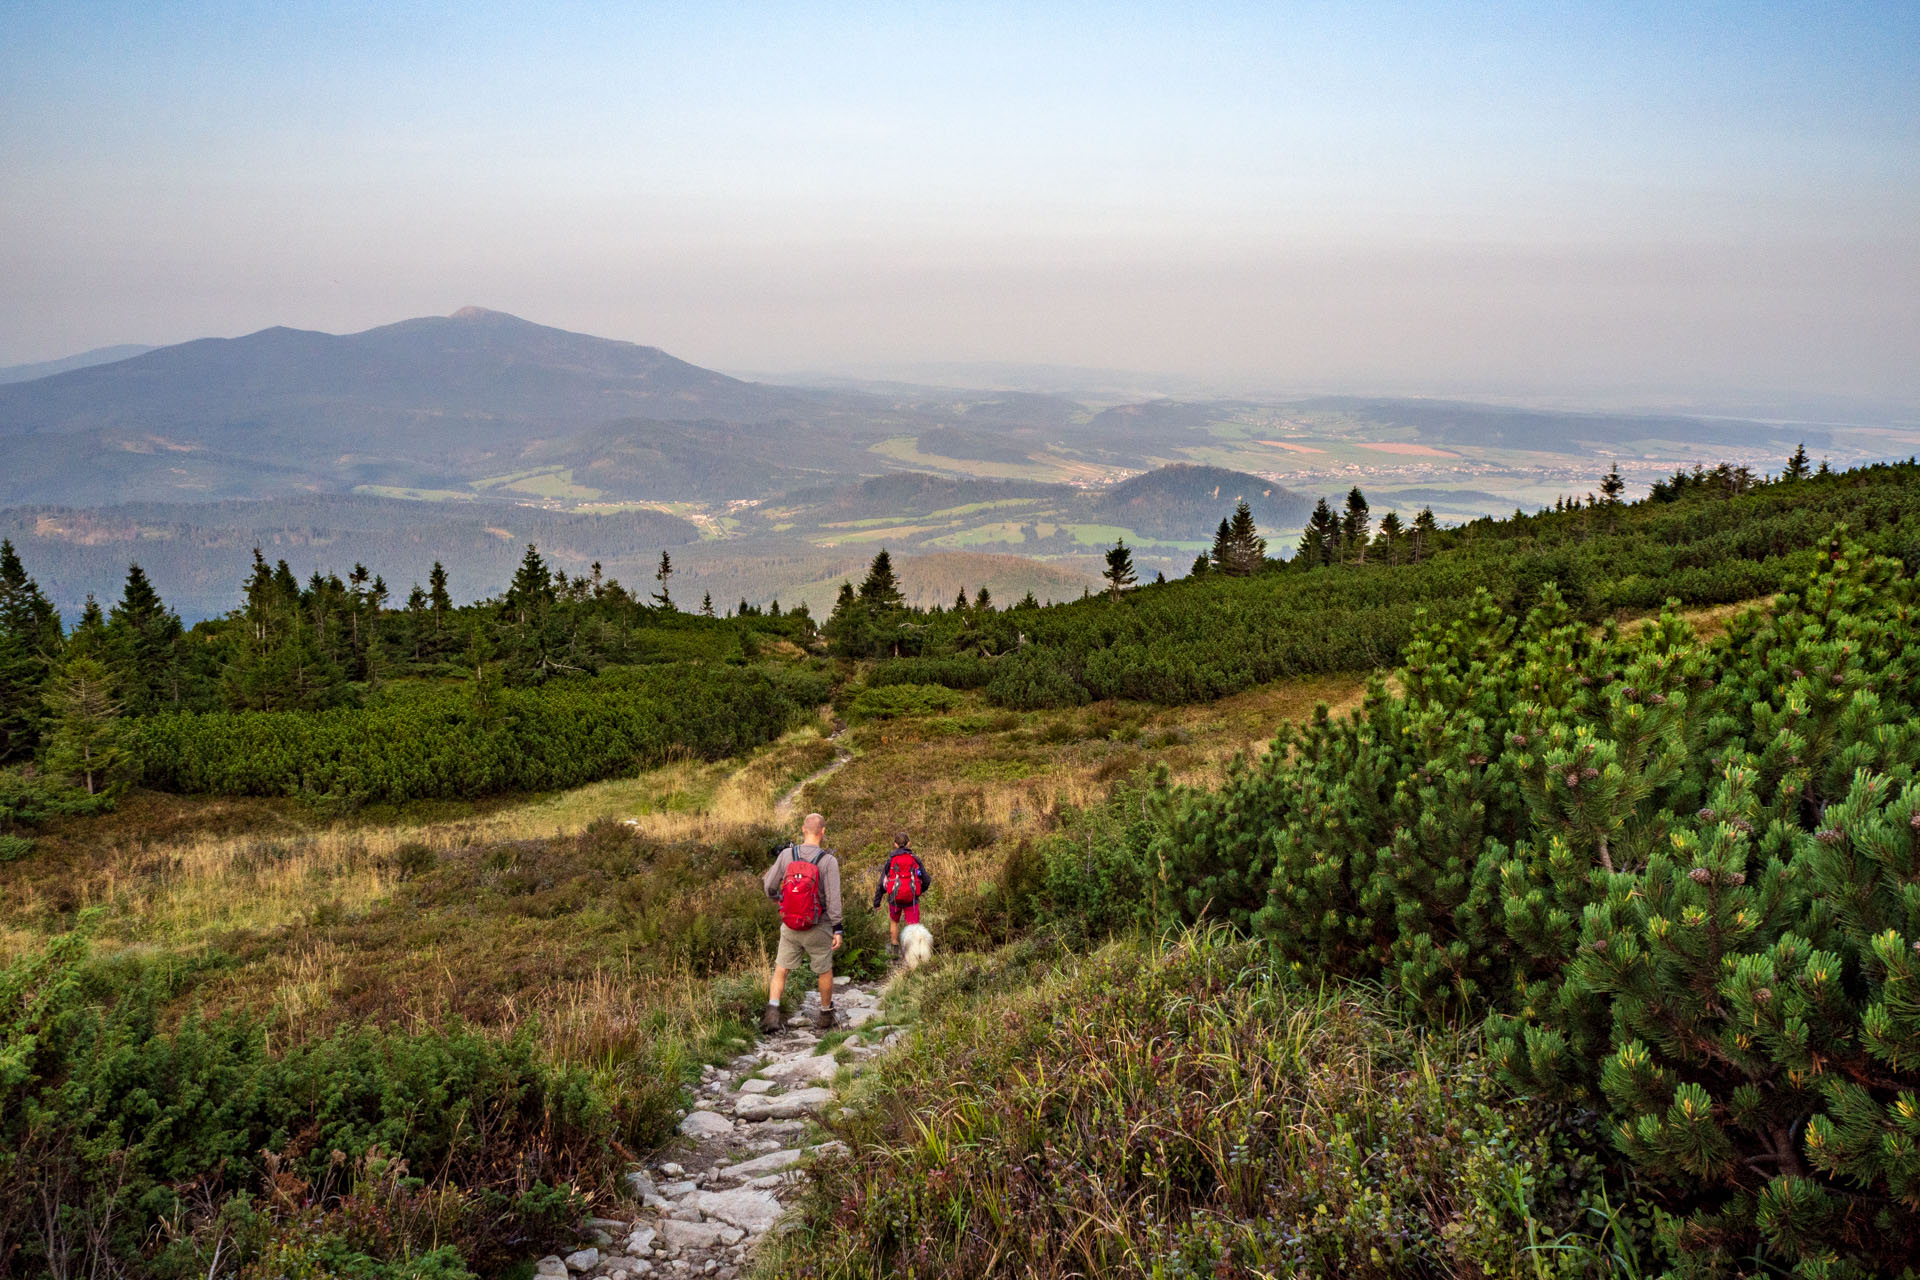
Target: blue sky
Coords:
[[1657, 200]]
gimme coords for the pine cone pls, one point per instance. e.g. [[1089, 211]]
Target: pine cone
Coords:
[[1700, 875]]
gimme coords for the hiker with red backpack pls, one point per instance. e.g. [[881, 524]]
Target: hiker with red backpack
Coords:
[[805, 881], [903, 881]]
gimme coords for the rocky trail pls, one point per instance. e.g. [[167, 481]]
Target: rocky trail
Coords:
[[784, 807], [709, 1197]]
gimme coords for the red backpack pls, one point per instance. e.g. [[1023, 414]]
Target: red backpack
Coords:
[[801, 900], [903, 878]]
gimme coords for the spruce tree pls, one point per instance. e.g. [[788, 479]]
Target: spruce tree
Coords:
[[849, 628], [30, 644], [661, 597], [1355, 527], [1119, 571], [983, 601], [1319, 542], [960, 604], [1222, 554], [86, 742], [531, 590], [1798, 467], [143, 638], [417, 615], [1247, 549], [706, 605], [1391, 538], [437, 598], [1200, 566], [1424, 529], [881, 590], [1612, 485]]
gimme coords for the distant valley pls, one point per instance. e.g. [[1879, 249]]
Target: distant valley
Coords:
[[463, 437]]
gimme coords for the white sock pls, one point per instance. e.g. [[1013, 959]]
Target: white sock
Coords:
[[773, 1004]]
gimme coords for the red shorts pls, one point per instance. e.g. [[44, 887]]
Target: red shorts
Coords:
[[909, 914]]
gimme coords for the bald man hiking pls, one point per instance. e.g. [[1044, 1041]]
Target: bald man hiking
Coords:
[[805, 881]]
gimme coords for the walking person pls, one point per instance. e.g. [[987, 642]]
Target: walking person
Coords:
[[903, 881], [805, 881]]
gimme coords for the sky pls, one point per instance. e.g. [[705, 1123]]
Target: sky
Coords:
[[1663, 202]]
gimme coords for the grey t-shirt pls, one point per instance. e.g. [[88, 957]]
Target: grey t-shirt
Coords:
[[829, 877]]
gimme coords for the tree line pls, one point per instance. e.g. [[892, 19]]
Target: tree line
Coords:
[[1349, 596], [128, 692]]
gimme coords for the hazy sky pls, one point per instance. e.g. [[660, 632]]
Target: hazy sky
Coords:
[[1592, 199]]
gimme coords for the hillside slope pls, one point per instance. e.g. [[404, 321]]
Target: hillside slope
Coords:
[[427, 402]]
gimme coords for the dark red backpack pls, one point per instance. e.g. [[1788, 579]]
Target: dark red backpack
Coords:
[[801, 900], [903, 878]]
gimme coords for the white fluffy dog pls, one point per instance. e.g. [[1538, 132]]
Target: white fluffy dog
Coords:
[[916, 945]]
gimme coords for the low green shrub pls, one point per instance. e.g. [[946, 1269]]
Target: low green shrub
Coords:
[[892, 701], [1029, 680], [954, 673], [140, 1132], [30, 796], [419, 741]]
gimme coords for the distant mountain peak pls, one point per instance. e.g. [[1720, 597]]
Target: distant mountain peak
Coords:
[[479, 313]]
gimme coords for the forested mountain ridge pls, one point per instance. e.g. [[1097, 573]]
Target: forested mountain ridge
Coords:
[[432, 402], [471, 378]]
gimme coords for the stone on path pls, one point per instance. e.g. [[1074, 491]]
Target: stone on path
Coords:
[[690, 1235], [705, 1124], [792, 1071], [640, 1243], [773, 1162], [585, 1260], [756, 1086], [752, 1211], [550, 1266], [784, 1106]]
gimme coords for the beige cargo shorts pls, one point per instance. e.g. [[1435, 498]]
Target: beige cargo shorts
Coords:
[[816, 943]]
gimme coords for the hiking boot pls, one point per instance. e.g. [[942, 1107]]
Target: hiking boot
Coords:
[[772, 1021], [893, 952], [823, 1019]]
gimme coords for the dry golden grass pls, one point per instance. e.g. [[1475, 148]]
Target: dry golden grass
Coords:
[[186, 889]]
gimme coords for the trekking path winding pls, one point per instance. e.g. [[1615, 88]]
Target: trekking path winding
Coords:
[[783, 809], [710, 1196]]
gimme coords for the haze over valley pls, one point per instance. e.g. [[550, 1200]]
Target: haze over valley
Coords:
[[464, 437]]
